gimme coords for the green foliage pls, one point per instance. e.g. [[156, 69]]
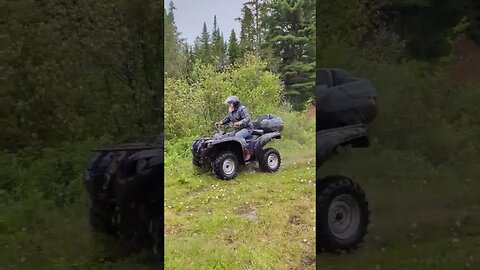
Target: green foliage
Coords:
[[416, 101], [203, 47], [55, 174], [359, 22], [291, 38], [425, 139], [346, 21], [173, 46], [92, 69], [247, 31], [288, 50], [233, 50], [192, 108]]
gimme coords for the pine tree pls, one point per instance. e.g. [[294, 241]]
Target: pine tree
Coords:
[[173, 46], [247, 31], [233, 50], [259, 9], [291, 37], [190, 59], [222, 60], [217, 42], [205, 50]]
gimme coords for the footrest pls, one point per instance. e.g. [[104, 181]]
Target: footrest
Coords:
[[257, 132]]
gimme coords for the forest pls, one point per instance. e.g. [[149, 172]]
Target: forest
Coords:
[[78, 74], [281, 33]]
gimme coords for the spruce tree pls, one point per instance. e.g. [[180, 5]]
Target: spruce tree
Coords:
[[202, 45], [291, 37], [173, 46], [217, 41], [247, 31], [233, 50]]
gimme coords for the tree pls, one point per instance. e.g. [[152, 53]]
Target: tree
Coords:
[[202, 46], [173, 45], [247, 31], [259, 9], [93, 69], [233, 50], [218, 49], [291, 38]]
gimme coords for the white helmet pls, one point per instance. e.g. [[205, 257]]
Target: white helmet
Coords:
[[231, 99]]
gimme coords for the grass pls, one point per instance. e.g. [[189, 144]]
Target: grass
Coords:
[[423, 216], [257, 221], [34, 234]]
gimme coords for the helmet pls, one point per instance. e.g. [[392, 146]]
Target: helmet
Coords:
[[231, 99]]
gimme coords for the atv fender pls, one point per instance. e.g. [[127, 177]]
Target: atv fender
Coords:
[[329, 140], [226, 144], [154, 157], [265, 138]]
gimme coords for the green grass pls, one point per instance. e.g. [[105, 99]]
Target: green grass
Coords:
[[423, 216], [257, 221], [34, 234]]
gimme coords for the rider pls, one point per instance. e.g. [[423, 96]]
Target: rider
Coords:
[[239, 116]]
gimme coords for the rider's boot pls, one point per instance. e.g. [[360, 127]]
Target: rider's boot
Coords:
[[246, 154]]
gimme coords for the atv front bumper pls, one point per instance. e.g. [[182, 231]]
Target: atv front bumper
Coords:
[[201, 152]]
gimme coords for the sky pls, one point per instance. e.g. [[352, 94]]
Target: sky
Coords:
[[190, 15]]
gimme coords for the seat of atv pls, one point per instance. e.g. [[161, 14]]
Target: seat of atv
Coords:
[[258, 132]]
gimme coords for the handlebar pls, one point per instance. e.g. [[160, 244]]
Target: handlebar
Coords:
[[218, 128]]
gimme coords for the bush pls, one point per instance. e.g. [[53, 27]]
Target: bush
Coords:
[[192, 107], [420, 108], [56, 174]]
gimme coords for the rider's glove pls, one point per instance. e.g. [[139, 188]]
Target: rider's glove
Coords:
[[237, 124], [218, 124]]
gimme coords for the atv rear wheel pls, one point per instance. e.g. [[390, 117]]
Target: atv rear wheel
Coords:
[[344, 214], [270, 160], [225, 166]]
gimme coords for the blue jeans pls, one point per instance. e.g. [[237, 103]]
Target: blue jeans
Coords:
[[243, 134]]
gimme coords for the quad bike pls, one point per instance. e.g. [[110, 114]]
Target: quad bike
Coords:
[[223, 153], [344, 105], [124, 183]]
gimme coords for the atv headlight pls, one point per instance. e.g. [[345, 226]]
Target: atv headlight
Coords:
[[141, 164]]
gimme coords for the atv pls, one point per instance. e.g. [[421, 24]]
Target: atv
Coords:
[[223, 153], [124, 183], [344, 106]]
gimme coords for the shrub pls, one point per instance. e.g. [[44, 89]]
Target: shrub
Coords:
[[192, 107]]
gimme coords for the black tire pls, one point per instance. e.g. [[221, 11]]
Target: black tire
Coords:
[[270, 160], [343, 214], [100, 219], [196, 162], [225, 171]]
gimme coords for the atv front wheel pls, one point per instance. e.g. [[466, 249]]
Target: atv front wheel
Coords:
[[343, 212], [100, 219], [225, 166], [270, 160], [196, 162]]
